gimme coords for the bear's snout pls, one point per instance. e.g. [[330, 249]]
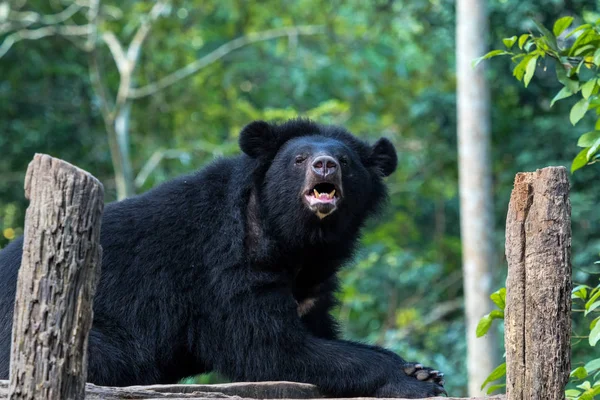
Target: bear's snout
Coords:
[[325, 166]]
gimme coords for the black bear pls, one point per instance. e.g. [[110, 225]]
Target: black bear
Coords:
[[233, 269]]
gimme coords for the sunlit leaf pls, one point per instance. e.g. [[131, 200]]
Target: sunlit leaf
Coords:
[[562, 94], [587, 88], [579, 110], [491, 54], [530, 69], [597, 57], [549, 36], [592, 307], [497, 373], [561, 24], [509, 42], [499, 298], [520, 68], [593, 365], [588, 139], [569, 83], [579, 162], [580, 291], [579, 28], [522, 39], [484, 325], [579, 373], [594, 335], [493, 388]]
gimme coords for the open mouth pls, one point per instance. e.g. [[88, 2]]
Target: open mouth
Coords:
[[322, 198]]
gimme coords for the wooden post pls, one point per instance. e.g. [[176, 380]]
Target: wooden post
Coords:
[[57, 281], [538, 287]]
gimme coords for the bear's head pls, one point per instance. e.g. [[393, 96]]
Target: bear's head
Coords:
[[316, 178]]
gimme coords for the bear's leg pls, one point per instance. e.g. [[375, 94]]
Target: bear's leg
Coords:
[[266, 340]]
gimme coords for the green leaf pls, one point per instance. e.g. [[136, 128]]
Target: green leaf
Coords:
[[519, 70], [499, 298], [586, 37], [579, 373], [591, 152], [580, 291], [530, 69], [580, 161], [588, 139], [583, 49], [592, 307], [587, 88], [550, 39], [491, 54], [572, 393], [596, 294], [562, 24], [493, 388], [522, 39], [579, 110], [571, 84], [597, 57], [562, 94], [593, 365], [497, 373], [484, 325], [496, 314], [595, 335], [585, 385], [509, 42], [579, 28]]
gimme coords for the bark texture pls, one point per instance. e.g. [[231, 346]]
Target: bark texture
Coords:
[[538, 287], [237, 391], [475, 179], [57, 281]]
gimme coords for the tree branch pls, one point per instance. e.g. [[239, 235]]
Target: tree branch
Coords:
[[31, 17], [134, 49], [222, 51], [116, 50], [35, 34]]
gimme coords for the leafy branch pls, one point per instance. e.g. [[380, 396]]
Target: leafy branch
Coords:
[[576, 69]]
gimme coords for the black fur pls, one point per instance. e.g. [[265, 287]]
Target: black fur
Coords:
[[228, 270]]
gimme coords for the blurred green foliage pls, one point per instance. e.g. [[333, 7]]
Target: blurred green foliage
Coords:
[[381, 68], [575, 52]]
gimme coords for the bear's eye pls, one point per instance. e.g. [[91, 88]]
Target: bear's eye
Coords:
[[300, 159], [343, 161]]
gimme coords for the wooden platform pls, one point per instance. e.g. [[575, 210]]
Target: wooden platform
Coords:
[[251, 390]]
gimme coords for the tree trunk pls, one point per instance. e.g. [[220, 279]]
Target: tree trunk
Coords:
[[476, 207], [126, 187], [57, 281], [538, 287]]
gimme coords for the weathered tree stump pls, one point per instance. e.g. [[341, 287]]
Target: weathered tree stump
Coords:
[[57, 281], [538, 287]]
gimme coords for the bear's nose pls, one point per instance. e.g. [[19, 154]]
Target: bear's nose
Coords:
[[324, 165]]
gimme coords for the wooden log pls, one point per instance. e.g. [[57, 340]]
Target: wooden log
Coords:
[[237, 391], [57, 281], [538, 287]]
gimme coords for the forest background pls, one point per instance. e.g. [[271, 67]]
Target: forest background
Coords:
[[91, 89]]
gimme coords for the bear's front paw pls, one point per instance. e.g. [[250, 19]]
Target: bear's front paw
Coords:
[[414, 382], [410, 389], [423, 374]]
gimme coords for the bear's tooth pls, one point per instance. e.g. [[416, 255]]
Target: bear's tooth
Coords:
[[316, 193], [332, 194]]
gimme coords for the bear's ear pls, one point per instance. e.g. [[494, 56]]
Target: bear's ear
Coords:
[[258, 139], [383, 157]]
